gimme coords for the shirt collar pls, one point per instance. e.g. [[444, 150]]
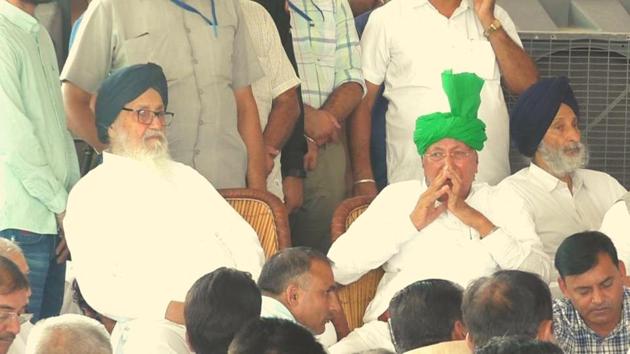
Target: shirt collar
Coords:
[[18, 17], [274, 308], [463, 6], [548, 181]]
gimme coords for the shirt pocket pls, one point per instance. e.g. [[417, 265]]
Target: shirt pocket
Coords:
[[166, 48]]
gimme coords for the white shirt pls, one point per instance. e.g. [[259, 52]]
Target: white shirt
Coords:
[[139, 239], [444, 249], [279, 73], [558, 213], [616, 225], [407, 44]]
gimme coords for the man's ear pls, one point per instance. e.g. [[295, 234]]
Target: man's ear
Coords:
[[622, 268], [292, 295], [459, 331], [470, 342], [545, 331], [563, 287]]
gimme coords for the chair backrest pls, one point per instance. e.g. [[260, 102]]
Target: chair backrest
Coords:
[[265, 213], [355, 297]]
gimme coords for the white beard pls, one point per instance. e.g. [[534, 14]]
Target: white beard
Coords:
[[561, 164], [154, 156]]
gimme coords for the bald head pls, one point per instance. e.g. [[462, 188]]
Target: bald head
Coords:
[[68, 334]]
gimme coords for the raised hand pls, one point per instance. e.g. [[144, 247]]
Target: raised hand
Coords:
[[426, 210], [485, 11]]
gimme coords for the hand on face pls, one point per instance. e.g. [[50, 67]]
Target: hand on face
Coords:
[[426, 209]]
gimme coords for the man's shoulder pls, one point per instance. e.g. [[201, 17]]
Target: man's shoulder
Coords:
[[594, 175], [404, 187]]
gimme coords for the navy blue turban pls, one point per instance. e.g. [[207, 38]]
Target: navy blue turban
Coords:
[[535, 110], [123, 86]]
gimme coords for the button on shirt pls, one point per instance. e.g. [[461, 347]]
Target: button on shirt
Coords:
[[326, 48], [407, 45], [558, 213], [38, 161], [575, 337], [202, 71], [140, 238], [445, 249]]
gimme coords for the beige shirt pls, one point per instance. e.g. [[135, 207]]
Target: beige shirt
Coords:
[[279, 74], [453, 347], [202, 70]]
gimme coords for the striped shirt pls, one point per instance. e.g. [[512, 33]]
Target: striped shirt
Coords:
[[326, 47], [575, 337]]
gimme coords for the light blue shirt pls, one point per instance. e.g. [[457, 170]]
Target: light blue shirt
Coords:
[[38, 161]]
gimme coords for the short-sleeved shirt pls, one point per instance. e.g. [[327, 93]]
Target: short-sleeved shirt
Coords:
[[202, 69], [407, 45], [279, 74]]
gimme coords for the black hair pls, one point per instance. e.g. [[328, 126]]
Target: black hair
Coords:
[[424, 313], [274, 336], [217, 306], [518, 345], [578, 253]]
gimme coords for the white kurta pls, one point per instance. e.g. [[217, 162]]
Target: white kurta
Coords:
[[139, 239], [558, 213], [446, 248], [616, 225], [407, 45]]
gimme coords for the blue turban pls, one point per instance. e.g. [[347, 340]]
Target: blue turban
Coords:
[[123, 86], [535, 110]]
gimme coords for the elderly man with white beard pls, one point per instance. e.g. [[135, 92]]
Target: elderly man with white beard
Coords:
[[561, 197], [142, 228]]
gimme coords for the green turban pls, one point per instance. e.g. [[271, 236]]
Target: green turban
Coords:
[[461, 123]]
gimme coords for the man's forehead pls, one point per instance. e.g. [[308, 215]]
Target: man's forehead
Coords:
[[448, 143], [602, 270]]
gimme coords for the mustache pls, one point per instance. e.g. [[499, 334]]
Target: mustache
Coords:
[[153, 133]]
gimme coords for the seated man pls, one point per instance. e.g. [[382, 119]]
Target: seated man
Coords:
[[141, 227], [13, 252], [507, 303], [426, 317], [69, 334], [274, 336], [14, 294], [297, 285], [217, 306], [561, 197], [518, 345], [420, 229], [594, 316], [615, 225]]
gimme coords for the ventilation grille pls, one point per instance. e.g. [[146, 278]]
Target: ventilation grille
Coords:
[[599, 71]]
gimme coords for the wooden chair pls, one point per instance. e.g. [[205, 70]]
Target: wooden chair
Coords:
[[265, 213], [355, 297]]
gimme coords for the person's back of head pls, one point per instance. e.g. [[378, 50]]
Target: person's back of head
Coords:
[[518, 345], [12, 251], [274, 336], [68, 334], [508, 303], [217, 306], [425, 313]]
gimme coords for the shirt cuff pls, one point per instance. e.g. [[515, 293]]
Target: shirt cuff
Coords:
[[58, 203], [498, 243]]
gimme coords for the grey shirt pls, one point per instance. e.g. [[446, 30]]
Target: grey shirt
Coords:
[[202, 70]]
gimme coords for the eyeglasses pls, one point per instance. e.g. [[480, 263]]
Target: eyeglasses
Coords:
[[146, 116], [457, 155], [21, 317]]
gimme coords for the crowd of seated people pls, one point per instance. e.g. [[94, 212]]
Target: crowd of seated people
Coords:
[[182, 98]]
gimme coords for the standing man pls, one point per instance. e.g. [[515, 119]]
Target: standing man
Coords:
[[406, 45], [207, 56], [38, 161], [329, 64]]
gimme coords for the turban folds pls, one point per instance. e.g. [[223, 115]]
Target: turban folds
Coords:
[[461, 123], [123, 86], [535, 110]]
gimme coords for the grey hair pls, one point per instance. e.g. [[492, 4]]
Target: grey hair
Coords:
[[68, 334], [8, 247]]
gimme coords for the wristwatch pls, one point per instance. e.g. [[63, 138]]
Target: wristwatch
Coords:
[[494, 26]]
